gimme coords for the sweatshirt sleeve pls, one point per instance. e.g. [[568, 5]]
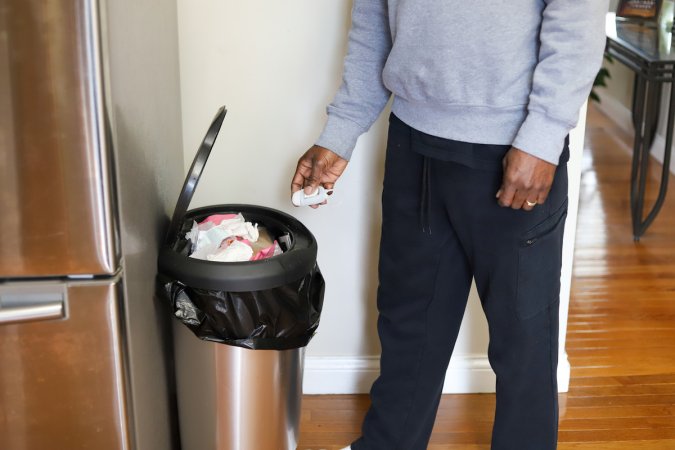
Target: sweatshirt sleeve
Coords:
[[572, 41], [362, 96]]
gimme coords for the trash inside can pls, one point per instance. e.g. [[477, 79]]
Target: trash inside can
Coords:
[[243, 278]]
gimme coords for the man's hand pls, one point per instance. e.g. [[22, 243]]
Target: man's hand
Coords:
[[318, 166], [527, 180]]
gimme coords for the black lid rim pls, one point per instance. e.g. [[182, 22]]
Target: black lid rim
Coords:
[[195, 172], [241, 276]]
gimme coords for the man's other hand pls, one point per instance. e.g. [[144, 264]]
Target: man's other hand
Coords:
[[318, 166], [527, 180]]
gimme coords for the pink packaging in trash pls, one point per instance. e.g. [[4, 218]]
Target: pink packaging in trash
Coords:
[[265, 253], [268, 252], [217, 218]]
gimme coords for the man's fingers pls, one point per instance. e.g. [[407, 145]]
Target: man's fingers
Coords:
[[298, 181], [534, 198], [302, 171], [312, 182], [519, 199], [526, 179], [506, 196], [317, 167], [529, 205]]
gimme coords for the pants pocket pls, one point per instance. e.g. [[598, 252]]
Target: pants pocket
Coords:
[[539, 265]]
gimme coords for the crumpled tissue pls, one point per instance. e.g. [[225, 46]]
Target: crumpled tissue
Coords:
[[230, 238], [207, 237]]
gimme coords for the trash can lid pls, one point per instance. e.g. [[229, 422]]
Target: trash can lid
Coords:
[[193, 175]]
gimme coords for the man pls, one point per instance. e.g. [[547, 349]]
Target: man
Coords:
[[485, 94]]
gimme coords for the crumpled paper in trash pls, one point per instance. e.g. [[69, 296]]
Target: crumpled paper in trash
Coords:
[[230, 238], [232, 250]]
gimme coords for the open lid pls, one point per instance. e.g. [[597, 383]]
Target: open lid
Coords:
[[194, 173]]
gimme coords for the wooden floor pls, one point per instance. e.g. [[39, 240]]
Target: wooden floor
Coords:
[[621, 338]]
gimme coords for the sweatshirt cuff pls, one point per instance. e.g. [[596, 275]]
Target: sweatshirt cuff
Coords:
[[340, 136], [542, 136]]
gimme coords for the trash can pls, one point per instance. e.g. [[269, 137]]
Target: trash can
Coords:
[[242, 326]]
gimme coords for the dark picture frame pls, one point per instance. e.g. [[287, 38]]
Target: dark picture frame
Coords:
[[647, 10]]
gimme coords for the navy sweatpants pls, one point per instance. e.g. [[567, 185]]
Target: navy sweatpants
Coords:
[[442, 227]]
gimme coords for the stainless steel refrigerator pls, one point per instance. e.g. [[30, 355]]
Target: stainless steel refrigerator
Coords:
[[89, 140]]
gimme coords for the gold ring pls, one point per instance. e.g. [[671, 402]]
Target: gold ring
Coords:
[[530, 204]]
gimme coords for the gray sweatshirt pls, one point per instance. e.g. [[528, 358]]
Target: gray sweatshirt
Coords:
[[507, 72]]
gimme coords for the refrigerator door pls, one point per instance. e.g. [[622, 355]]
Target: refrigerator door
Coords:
[[64, 384], [55, 178]]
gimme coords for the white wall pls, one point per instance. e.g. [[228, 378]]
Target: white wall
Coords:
[[276, 65]]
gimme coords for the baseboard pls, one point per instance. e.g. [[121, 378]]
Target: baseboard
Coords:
[[339, 375], [658, 150], [621, 116], [564, 373], [354, 375]]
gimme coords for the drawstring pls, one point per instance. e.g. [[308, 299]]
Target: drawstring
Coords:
[[425, 197]]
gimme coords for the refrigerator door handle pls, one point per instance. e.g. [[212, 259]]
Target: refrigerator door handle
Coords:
[[47, 311], [32, 302]]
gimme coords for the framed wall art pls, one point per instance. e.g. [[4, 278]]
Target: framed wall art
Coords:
[[639, 9]]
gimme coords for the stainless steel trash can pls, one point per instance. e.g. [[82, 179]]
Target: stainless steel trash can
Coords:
[[239, 351], [238, 399]]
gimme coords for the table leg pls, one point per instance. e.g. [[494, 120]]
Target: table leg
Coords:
[[665, 173], [638, 120], [638, 83], [643, 155], [647, 112], [633, 108]]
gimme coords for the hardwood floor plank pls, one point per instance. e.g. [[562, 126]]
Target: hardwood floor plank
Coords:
[[612, 411], [661, 444]]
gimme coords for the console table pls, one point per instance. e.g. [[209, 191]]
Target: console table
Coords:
[[647, 52]]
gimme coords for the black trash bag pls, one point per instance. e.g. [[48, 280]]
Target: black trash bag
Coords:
[[273, 303], [279, 318]]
